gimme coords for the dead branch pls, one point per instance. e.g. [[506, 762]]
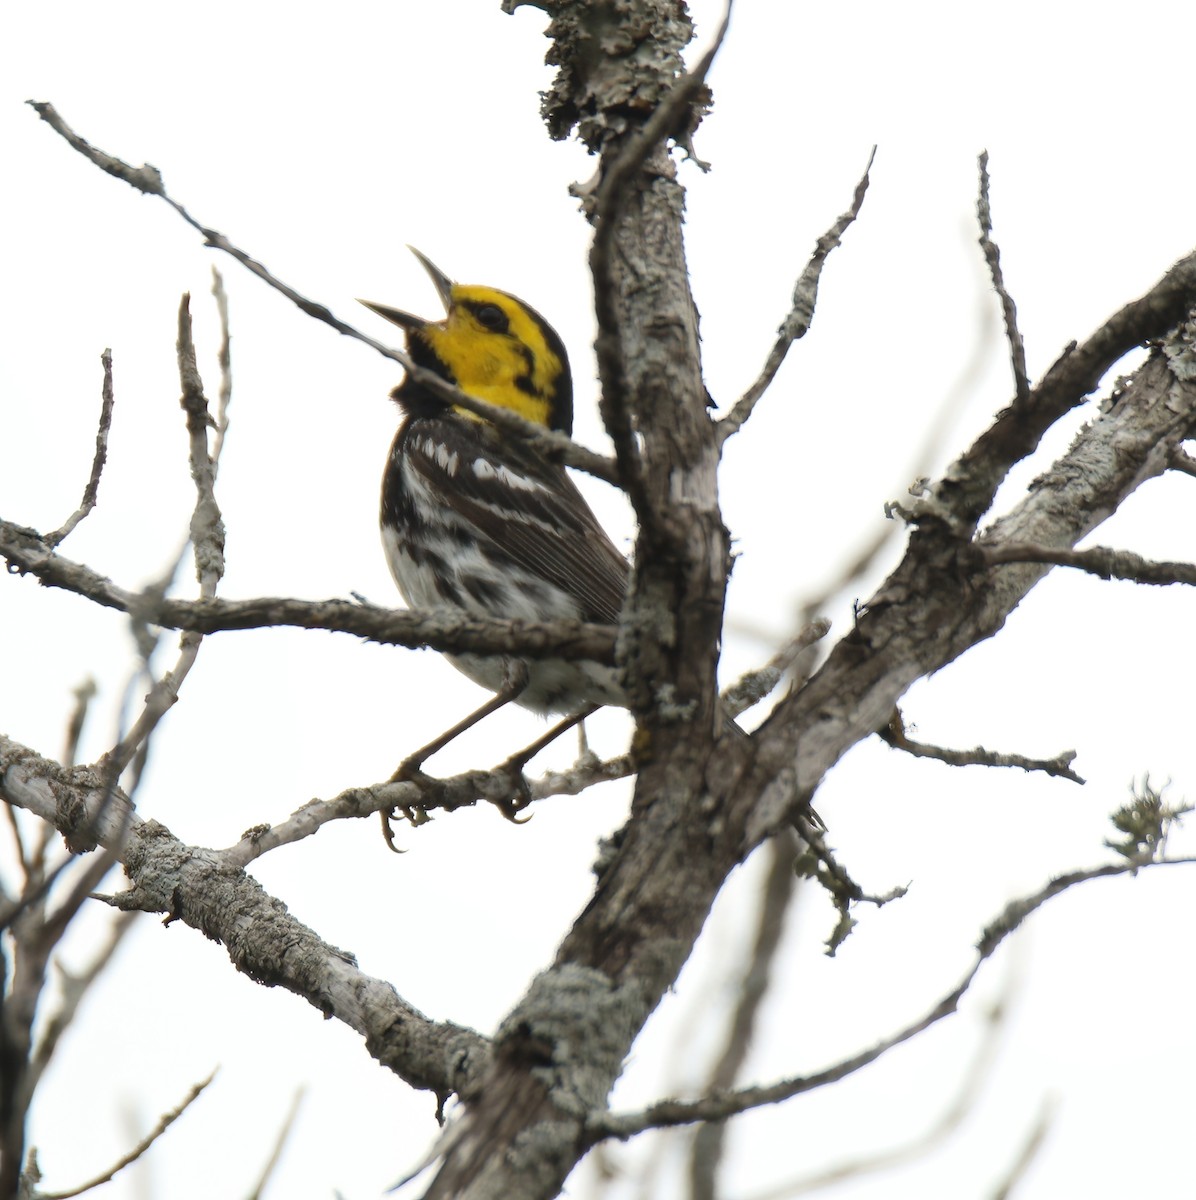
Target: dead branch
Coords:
[[894, 734], [92, 488], [164, 1123], [27, 553], [992, 255], [801, 313], [618, 170], [720, 1106], [555, 446], [200, 888], [776, 897], [1101, 561]]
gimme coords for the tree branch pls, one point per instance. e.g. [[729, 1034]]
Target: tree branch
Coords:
[[26, 553], [966, 491], [942, 598], [555, 446], [609, 200], [206, 891], [894, 734], [801, 313], [1096, 560], [442, 795], [92, 488], [776, 895], [166, 1121], [720, 1106], [992, 255], [207, 541]]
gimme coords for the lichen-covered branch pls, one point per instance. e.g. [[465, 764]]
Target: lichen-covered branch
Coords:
[[27, 553], [205, 890]]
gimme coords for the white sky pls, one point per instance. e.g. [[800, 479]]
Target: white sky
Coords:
[[322, 142]]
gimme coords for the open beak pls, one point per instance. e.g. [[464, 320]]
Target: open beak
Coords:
[[444, 289]]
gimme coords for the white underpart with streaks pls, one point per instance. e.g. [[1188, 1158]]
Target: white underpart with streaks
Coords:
[[483, 587]]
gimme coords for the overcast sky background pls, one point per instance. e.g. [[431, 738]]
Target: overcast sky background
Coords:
[[322, 141]]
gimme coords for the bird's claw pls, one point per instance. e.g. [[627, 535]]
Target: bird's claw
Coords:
[[521, 792]]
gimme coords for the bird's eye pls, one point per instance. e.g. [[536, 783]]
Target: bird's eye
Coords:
[[491, 317]]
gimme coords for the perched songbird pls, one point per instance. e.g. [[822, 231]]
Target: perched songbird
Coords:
[[476, 521]]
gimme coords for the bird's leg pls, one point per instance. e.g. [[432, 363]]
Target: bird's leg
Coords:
[[514, 681], [514, 765]]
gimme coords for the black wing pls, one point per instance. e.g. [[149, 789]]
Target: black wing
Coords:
[[525, 505]]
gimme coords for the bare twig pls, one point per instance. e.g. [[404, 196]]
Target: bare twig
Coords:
[[992, 255], [97, 463], [207, 527], [801, 313], [974, 1080], [207, 540], [818, 862], [920, 465], [166, 1121], [894, 735], [1096, 560], [965, 491], [26, 552], [73, 988], [224, 358], [669, 1113], [753, 686], [553, 445], [201, 888], [775, 898], [280, 1141], [1029, 1151], [84, 694]]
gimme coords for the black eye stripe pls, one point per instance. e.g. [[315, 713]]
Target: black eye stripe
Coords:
[[489, 316]]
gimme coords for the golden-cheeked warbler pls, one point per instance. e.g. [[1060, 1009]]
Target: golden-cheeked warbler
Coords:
[[475, 521]]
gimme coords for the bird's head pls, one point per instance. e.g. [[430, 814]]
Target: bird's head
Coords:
[[492, 346]]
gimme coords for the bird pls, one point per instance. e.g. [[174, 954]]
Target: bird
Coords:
[[478, 522]]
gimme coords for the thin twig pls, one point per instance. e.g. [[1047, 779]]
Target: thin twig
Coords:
[[965, 491], [801, 312], [207, 526], [224, 358], [1096, 560], [554, 445], [24, 857], [753, 686], [974, 1080], [84, 694], [670, 1113], [818, 862], [919, 466], [894, 735], [207, 540], [167, 1120], [288, 1123], [73, 988], [107, 400], [992, 255], [1029, 1151], [780, 883]]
